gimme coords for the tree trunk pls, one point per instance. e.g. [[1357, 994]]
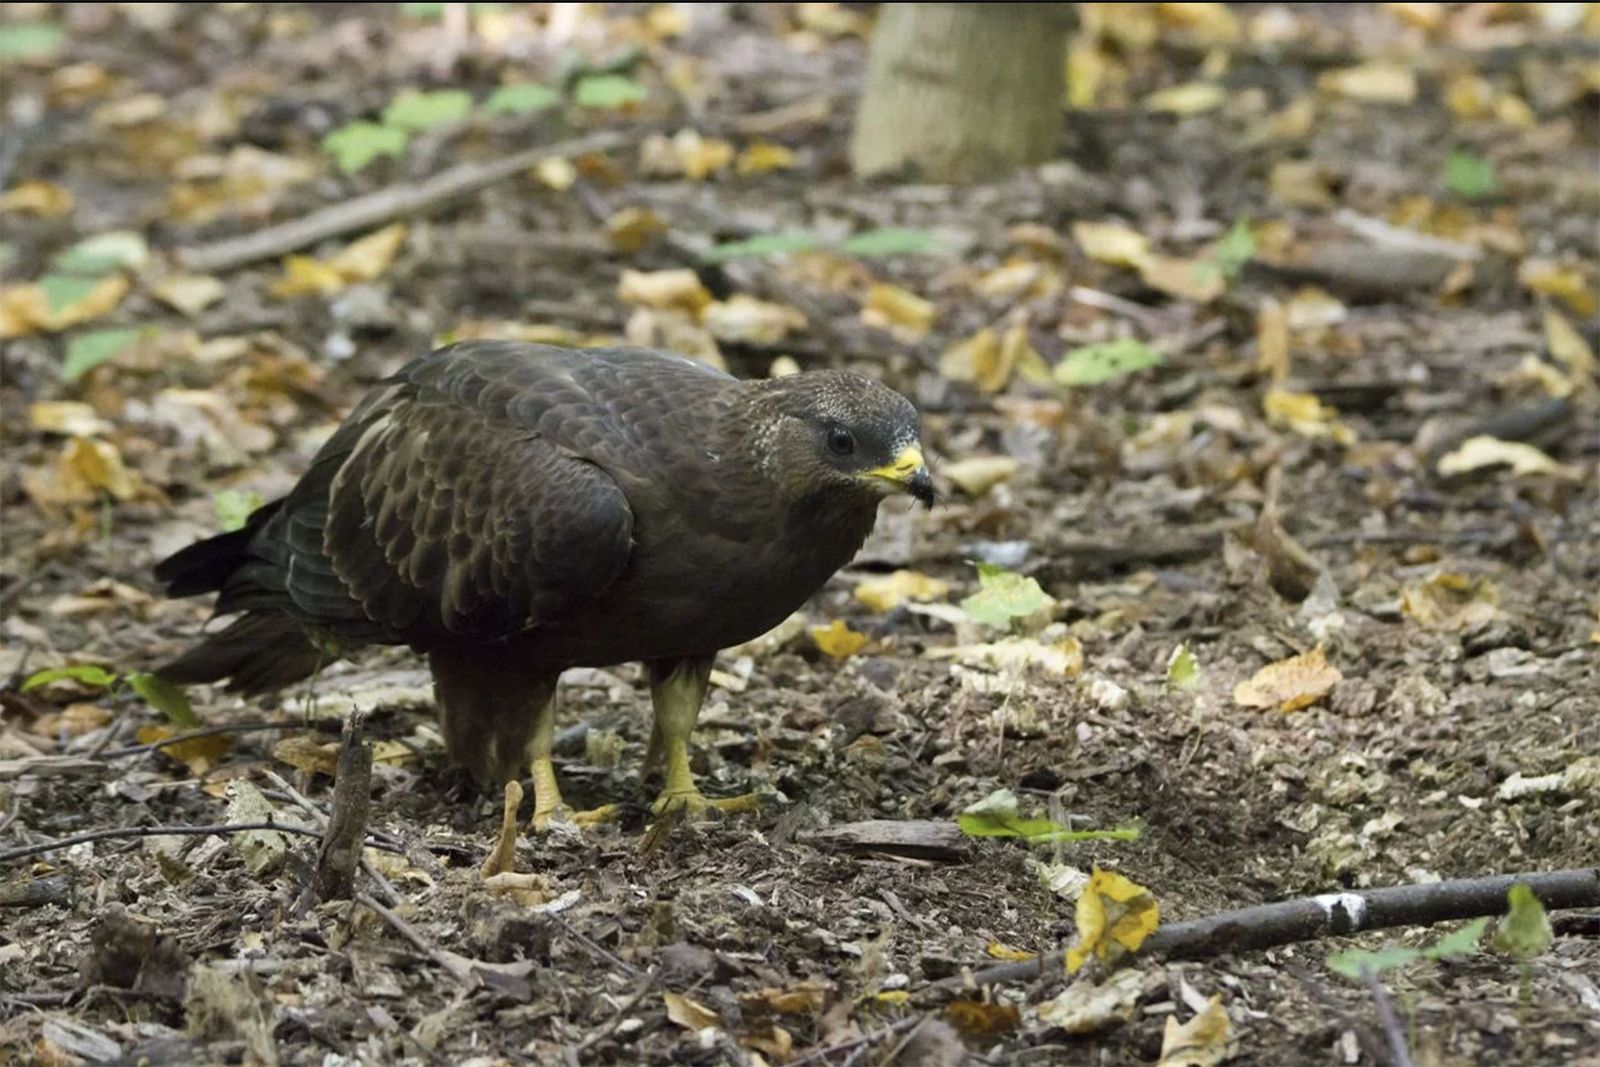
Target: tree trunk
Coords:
[[962, 91]]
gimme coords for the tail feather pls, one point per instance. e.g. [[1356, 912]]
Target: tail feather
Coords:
[[256, 653], [205, 566]]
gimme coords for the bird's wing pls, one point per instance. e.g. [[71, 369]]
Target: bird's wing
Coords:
[[456, 510]]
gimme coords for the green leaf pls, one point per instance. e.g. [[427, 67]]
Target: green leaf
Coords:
[[1093, 364], [1462, 942], [103, 253], [1183, 670], [234, 507], [415, 111], [433, 11], [996, 816], [892, 241], [607, 90], [766, 244], [524, 98], [355, 145], [86, 674], [1525, 930], [1237, 247], [1351, 962], [30, 40], [1469, 176], [1002, 596], [64, 290], [86, 351], [166, 698]]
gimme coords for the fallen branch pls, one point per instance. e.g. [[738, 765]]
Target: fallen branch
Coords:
[[1332, 915], [384, 205], [163, 831], [459, 967], [340, 854]]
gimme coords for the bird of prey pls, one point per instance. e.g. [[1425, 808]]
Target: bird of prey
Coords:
[[513, 510]]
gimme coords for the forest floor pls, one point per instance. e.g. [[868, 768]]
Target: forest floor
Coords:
[[1360, 248]]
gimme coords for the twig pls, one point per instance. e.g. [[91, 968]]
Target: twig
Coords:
[[910, 1022], [459, 968], [364, 212], [204, 731], [340, 853], [1399, 1052], [152, 831], [1379, 232], [1333, 915], [600, 1033], [596, 948]]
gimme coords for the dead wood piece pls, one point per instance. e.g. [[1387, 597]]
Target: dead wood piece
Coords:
[[458, 967], [340, 854], [1334, 915], [1110, 553], [384, 205], [1364, 271], [37, 892], [923, 839]]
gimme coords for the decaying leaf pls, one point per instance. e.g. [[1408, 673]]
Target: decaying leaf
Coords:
[[1198, 281], [744, 319], [1290, 684], [308, 755], [837, 639], [1112, 242], [1304, 414], [1567, 346], [1272, 341], [889, 592], [58, 302], [976, 475], [1378, 82], [1114, 915], [199, 754], [47, 200], [664, 290], [1567, 283], [982, 1020], [360, 261], [1014, 655], [689, 1014], [761, 157], [1482, 451], [686, 154], [71, 418], [900, 311], [1086, 1007], [1200, 1042], [1450, 601], [189, 293]]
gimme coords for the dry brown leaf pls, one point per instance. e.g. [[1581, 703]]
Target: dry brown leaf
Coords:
[[1086, 1007], [772, 1041], [1301, 183], [979, 359], [632, 228], [803, 998], [25, 309], [308, 755], [1194, 280], [1290, 684], [360, 261], [689, 1014], [1450, 601], [1272, 341], [1568, 346], [889, 592], [900, 311], [1013, 655], [1377, 82], [976, 475], [47, 200], [983, 1020], [189, 293], [745, 319], [102, 597], [1565, 282], [664, 290], [70, 417], [1111, 242], [1200, 1042], [199, 754]]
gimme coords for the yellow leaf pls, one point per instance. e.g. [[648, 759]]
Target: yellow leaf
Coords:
[[47, 200], [305, 276], [1477, 453], [979, 359], [689, 1014], [889, 592], [904, 313], [1566, 283], [189, 293], [1377, 82], [308, 755], [1190, 98], [837, 639], [1000, 951], [1200, 1042], [1290, 684], [743, 318], [1567, 345], [1272, 341], [686, 153], [1017, 353], [1449, 601], [70, 417], [1012, 280], [199, 754], [892, 997], [762, 157], [99, 465], [371, 256], [556, 173], [1114, 916], [634, 227], [1315, 309], [663, 290], [26, 309], [1187, 279], [1300, 183], [127, 111], [983, 1020], [1111, 242], [1211, 24], [1305, 415], [804, 998], [976, 475]]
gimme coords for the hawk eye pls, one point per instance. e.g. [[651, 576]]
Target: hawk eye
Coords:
[[840, 443]]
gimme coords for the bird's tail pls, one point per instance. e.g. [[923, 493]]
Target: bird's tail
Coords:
[[257, 653]]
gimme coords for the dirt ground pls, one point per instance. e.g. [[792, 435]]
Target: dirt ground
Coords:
[[1458, 606]]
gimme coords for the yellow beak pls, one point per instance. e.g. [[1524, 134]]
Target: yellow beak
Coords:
[[908, 474]]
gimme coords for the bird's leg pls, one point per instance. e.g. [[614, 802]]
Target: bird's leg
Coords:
[[677, 689], [547, 803]]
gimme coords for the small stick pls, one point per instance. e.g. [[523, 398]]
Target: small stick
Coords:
[[596, 948], [152, 831], [375, 208], [205, 731], [1399, 1052], [910, 1022], [459, 969], [310, 808], [340, 853]]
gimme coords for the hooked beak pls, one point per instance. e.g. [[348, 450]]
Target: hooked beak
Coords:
[[907, 474]]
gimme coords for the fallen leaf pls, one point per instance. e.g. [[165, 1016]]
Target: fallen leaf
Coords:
[[84, 674], [607, 91], [415, 110], [1112, 242], [1377, 82], [996, 815], [1482, 451], [1524, 932], [773, 1040], [1304, 414], [1004, 595], [803, 998], [360, 261], [46, 200], [308, 755], [1290, 684], [356, 144], [529, 889], [1301, 183], [1087, 1007], [189, 293], [98, 464], [1272, 341], [1000, 951], [135, 110], [1013, 655], [109, 251], [632, 228], [689, 1014], [1114, 916], [1183, 669], [976, 475], [1565, 282], [1190, 98], [1198, 281], [900, 311], [1450, 601], [982, 1020], [1567, 346], [198, 754], [889, 592], [1200, 1042], [664, 289], [744, 319], [1106, 361], [521, 98], [977, 359], [263, 851], [86, 351], [762, 157], [58, 302], [686, 154], [837, 639], [70, 417]]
